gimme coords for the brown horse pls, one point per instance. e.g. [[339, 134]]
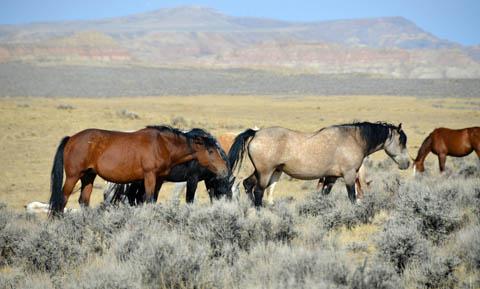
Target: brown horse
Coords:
[[121, 157], [448, 142]]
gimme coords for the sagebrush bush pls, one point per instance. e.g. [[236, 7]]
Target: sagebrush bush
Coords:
[[171, 261], [375, 276], [105, 275], [468, 246], [435, 272], [11, 279], [280, 266], [400, 243], [16, 278], [14, 229], [52, 249], [467, 167], [432, 207], [10, 240], [335, 210]]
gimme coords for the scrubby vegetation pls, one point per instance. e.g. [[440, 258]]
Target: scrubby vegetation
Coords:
[[22, 79], [407, 233]]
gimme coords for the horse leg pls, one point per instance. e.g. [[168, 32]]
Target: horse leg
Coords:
[[263, 180], [358, 188], [191, 188], [328, 183], [441, 162], [258, 196], [273, 182], [68, 186], [87, 187], [320, 183], [149, 181], [158, 186], [349, 178], [351, 193], [209, 188], [269, 193], [361, 181], [249, 185]]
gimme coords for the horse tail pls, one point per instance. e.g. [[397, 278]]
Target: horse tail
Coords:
[[425, 148], [235, 155], [57, 199], [112, 193]]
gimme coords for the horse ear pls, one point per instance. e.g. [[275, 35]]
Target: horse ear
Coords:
[[400, 127]]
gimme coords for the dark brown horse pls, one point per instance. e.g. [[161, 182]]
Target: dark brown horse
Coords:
[[121, 157], [448, 142]]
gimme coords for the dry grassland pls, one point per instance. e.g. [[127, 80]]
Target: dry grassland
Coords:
[[32, 127]]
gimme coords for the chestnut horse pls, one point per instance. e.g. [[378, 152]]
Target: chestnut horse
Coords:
[[448, 142], [125, 157]]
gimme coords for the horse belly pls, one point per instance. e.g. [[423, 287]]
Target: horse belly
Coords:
[[119, 168], [311, 161], [306, 170]]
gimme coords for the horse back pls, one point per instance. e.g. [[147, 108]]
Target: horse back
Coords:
[[454, 142], [107, 151], [305, 155]]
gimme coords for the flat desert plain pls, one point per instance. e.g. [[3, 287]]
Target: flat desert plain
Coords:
[[32, 127]]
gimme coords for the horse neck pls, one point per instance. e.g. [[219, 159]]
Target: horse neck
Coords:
[[424, 150], [180, 149], [366, 151], [379, 147]]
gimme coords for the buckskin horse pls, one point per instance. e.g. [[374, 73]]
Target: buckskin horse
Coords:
[[124, 157], [191, 172], [332, 152], [361, 183], [226, 141], [445, 142]]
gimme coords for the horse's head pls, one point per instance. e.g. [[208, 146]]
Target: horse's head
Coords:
[[209, 153], [220, 187], [396, 147]]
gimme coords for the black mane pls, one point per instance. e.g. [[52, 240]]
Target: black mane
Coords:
[[198, 133], [194, 134], [166, 128], [376, 133], [208, 139]]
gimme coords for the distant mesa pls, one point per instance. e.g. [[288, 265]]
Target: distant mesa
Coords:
[[200, 36]]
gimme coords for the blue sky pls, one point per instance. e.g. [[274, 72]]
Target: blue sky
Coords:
[[449, 19]]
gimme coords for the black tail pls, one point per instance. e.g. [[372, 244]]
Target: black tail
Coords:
[[130, 193], [235, 155], [57, 200]]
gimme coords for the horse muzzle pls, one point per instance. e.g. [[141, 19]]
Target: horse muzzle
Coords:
[[402, 162]]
